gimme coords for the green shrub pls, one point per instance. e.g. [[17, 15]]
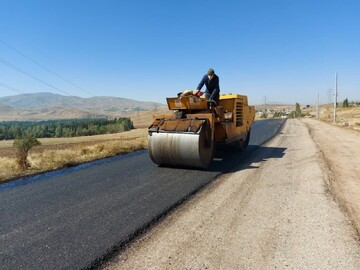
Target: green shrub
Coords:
[[24, 145]]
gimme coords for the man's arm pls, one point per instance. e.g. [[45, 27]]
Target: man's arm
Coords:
[[216, 90], [201, 84]]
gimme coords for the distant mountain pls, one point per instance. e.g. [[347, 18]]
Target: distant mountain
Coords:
[[4, 109], [40, 106]]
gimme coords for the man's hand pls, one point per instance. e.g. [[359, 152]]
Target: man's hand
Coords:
[[199, 94]]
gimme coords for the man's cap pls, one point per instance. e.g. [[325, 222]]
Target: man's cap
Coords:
[[211, 71]]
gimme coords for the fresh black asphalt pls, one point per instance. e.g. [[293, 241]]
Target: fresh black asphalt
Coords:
[[78, 217]]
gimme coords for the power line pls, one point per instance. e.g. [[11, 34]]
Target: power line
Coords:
[[266, 100], [32, 76], [45, 68], [12, 88]]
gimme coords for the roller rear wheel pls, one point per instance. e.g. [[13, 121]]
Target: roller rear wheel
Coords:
[[181, 149], [243, 144]]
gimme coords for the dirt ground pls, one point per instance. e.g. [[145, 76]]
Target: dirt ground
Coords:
[[274, 212], [340, 148]]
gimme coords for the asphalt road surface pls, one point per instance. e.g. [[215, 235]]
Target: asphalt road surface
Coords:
[[273, 211], [77, 218]]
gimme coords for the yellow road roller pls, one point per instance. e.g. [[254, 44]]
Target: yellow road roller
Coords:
[[188, 136]]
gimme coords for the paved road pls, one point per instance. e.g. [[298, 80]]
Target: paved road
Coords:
[[76, 218], [273, 212]]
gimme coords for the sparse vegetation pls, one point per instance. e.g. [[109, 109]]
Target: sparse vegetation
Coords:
[[346, 103], [345, 116], [277, 114], [297, 112], [292, 114], [57, 153]]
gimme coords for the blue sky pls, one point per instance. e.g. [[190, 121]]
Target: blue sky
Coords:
[[147, 50]]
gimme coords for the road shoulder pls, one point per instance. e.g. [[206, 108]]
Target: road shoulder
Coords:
[[340, 149]]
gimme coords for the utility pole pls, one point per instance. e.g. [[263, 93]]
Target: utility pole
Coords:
[[335, 96], [265, 100], [317, 107]]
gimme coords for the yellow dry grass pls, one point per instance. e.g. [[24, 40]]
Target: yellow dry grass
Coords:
[[348, 117], [64, 152], [144, 119]]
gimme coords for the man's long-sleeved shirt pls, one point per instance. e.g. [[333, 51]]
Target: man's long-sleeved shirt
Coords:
[[212, 86]]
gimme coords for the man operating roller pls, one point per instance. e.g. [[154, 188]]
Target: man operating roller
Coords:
[[211, 81]]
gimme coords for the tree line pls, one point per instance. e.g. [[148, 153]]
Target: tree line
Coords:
[[63, 128]]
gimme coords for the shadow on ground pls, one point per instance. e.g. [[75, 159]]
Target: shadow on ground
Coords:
[[230, 160]]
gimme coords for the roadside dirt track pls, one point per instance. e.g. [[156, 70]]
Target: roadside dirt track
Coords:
[[340, 148], [273, 213]]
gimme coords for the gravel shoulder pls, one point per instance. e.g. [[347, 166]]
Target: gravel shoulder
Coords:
[[273, 212], [340, 148]]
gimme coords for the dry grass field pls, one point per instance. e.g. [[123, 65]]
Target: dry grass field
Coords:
[[144, 119], [347, 117], [55, 153]]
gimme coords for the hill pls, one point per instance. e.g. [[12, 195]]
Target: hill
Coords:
[[6, 109], [43, 106]]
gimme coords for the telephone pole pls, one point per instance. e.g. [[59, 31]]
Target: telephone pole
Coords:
[[265, 100], [335, 96]]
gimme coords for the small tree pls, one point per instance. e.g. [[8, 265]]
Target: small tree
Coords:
[[297, 110], [24, 145], [276, 115], [292, 114], [264, 115], [346, 103]]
